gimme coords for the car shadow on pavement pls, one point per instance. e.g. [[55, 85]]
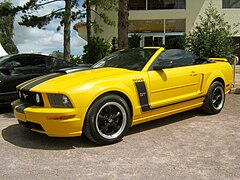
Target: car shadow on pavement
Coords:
[[165, 121], [22, 137]]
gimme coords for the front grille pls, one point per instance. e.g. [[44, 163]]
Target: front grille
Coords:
[[31, 125], [30, 97]]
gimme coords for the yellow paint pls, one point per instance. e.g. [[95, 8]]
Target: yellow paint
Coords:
[[169, 91]]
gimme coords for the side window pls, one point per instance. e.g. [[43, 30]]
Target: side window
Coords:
[[178, 57], [36, 61], [15, 62], [62, 63], [52, 62]]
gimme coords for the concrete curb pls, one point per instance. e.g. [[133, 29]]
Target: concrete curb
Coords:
[[236, 83]]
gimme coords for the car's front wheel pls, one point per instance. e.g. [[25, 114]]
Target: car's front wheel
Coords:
[[107, 120], [215, 98]]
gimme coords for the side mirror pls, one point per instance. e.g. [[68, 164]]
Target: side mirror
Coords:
[[163, 65]]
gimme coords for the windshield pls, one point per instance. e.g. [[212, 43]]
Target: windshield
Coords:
[[133, 59]]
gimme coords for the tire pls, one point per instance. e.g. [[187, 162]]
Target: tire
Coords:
[[215, 98], [107, 120]]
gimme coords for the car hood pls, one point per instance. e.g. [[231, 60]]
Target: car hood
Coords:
[[60, 81]]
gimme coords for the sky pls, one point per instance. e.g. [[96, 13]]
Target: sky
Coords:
[[36, 40]]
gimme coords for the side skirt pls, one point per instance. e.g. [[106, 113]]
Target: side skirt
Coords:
[[168, 111]]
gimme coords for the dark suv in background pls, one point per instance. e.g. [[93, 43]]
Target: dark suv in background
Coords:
[[15, 69]]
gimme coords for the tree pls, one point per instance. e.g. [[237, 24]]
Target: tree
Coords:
[[102, 5], [123, 24], [96, 49], [92, 50], [119, 5], [65, 14], [88, 18], [6, 27], [212, 37]]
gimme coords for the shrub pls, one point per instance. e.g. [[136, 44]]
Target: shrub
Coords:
[[212, 37], [96, 49], [134, 41]]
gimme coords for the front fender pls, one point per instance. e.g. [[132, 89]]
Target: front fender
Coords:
[[86, 95]]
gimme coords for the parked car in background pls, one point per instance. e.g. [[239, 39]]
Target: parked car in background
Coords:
[[17, 68], [126, 88]]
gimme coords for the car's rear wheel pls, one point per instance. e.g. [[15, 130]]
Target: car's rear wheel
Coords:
[[107, 120], [215, 98]]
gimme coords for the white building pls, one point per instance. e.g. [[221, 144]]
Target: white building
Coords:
[[2, 51], [164, 22]]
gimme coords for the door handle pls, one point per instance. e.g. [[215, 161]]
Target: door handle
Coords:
[[193, 73]]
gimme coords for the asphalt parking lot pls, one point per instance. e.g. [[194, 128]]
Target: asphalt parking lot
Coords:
[[190, 145]]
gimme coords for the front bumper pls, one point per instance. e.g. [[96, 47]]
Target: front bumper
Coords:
[[55, 122]]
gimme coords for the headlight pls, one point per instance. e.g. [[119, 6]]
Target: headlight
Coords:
[[32, 98], [37, 98], [65, 100], [59, 100], [19, 94]]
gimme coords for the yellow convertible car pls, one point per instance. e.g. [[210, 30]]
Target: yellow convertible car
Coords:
[[123, 89]]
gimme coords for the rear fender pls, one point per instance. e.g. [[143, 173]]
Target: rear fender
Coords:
[[213, 76]]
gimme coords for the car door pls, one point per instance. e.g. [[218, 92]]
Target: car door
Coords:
[[176, 84]]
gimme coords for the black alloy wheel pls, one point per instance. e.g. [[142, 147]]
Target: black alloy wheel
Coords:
[[215, 98], [107, 120]]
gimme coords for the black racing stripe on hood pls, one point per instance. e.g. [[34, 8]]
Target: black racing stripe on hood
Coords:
[[30, 81], [60, 71], [41, 80]]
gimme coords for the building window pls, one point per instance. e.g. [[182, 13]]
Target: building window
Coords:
[[138, 26], [236, 41], [166, 4], [175, 25], [156, 4], [231, 4], [168, 32], [157, 26], [137, 4]]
